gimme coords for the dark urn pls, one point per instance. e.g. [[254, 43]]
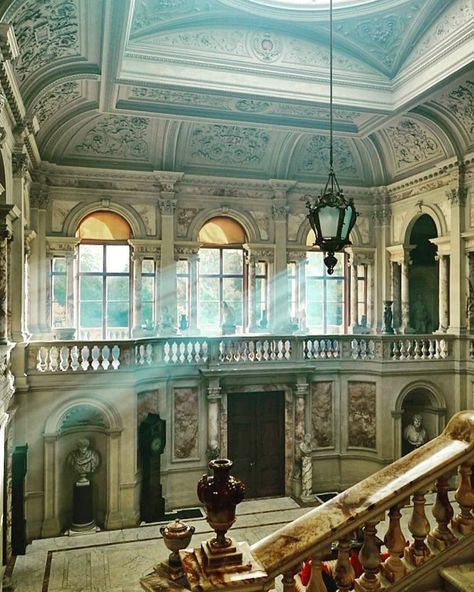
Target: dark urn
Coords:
[[220, 493]]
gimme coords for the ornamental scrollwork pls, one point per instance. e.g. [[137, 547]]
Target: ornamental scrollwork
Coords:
[[60, 96], [266, 46], [280, 212], [228, 41], [167, 206], [411, 143], [460, 102], [229, 144], [45, 31], [19, 164], [148, 12], [39, 199], [117, 136], [315, 156]]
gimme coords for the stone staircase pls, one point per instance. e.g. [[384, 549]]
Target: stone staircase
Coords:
[[458, 578]]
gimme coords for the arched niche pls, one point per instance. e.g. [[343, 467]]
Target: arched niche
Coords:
[[250, 227], [418, 398], [100, 423]]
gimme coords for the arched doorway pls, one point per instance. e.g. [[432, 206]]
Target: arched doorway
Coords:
[[423, 279]]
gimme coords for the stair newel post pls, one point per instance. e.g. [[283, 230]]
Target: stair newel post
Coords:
[[344, 572], [288, 579], [316, 582], [464, 521], [370, 560], [441, 536], [417, 553], [393, 567]]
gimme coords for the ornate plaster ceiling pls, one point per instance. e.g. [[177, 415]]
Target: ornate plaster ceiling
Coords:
[[240, 87]]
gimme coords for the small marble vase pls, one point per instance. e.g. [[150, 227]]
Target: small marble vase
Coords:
[[220, 493], [177, 535]]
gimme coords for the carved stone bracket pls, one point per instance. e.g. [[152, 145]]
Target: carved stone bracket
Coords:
[[8, 214], [30, 235], [61, 246], [19, 164], [167, 181]]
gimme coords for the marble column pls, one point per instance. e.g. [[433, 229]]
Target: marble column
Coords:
[[252, 297], [382, 232], [70, 257], [370, 295], [354, 297], [193, 294], [137, 259], [301, 284], [396, 294], [213, 421], [6, 213], [443, 296], [405, 295], [301, 396], [39, 311]]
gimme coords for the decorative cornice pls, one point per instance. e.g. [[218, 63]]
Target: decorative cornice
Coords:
[[61, 245]]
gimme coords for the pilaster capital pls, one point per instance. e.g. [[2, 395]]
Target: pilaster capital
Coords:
[[144, 249], [214, 393], [280, 212], [61, 246], [39, 197], [19, 164], [167, 205], [281, 187], [8, 214], [458, 195], [302, 390], [189, 252]]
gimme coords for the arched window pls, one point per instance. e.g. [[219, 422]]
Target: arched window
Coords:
[[222, 277], [104, 276], [325, 294]]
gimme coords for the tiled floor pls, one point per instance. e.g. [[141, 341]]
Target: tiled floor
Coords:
[[114, 561]]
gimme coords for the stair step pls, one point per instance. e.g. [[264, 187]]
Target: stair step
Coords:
[[458, 578]]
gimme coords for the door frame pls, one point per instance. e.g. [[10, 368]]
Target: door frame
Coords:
[[289, 431]]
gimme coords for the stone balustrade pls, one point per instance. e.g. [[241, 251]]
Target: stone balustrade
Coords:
[[68, 356]]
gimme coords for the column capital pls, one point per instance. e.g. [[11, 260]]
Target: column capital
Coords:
[[61, 246], [302, 389], [255, 253], [166, 181], [214, 393], [280, 212], [167, 205], [20, 163], [189, 252], [144, 249], [39, 197]]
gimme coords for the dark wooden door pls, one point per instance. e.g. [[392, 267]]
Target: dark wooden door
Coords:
[[256, 441]]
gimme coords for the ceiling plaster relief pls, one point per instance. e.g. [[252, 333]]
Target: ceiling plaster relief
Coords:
[[46, 31], [117, 137], [151, 12], [314, 157], [412, 144], [229, 145], [460, 103], [456, 17], [51, 102]]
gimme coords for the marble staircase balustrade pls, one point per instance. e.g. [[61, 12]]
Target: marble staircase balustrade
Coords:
[[80, 356], [365, 505]]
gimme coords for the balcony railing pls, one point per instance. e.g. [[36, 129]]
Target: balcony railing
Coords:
[[80, 356]]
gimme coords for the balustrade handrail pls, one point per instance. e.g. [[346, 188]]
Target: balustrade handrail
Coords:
[[82, 355], [313, 532]]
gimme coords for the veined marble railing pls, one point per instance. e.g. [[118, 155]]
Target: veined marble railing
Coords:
[[79, 356], [365, 504]]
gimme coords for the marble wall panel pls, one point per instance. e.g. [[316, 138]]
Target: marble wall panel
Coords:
[[147, 402], [322, 414], [186, 422], [362, 414]]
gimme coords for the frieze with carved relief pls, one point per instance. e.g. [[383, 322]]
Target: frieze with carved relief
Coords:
[[116, 136], [460, 103], [229, 144], [46, 31], [315, 156]]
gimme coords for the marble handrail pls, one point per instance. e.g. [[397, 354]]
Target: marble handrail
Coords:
[[78, 356], [312, 533]]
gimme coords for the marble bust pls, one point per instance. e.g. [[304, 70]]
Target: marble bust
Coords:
[[415, 433], [83, 460]]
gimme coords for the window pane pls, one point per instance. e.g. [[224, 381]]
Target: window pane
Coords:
[[335, 290], [209, 261], [117, 314], [90, 288], [59, 289], [91, 258], [334, 315], [232, 261], [118, 257], [91, 314], [182, 266], [209, 290], [147, 313], [148, 266], [261, 268], [59, 265], [209, 313], [148, 288], [117, 289], [58, 314], [315, 264]]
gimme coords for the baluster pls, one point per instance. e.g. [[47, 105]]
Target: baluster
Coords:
[[265, 354], [64, 358], [84, 358], [371, 349], [393, 567], [149, 354], [354, 349], [344, 572], [417, 350], [316, 582], [370, 560], [116, 357], [417, 553], [316, 349], [53, 359], [441, 537], [42, 358], [288, 579], [464, 521], [174, 352], [432, 349], [335, 348], [74, 358], [105, 357], [425, 350], [396, 351], [443, 346], [287, 350], [181, 353]]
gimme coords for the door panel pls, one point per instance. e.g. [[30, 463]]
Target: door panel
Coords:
[[256, 441]]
